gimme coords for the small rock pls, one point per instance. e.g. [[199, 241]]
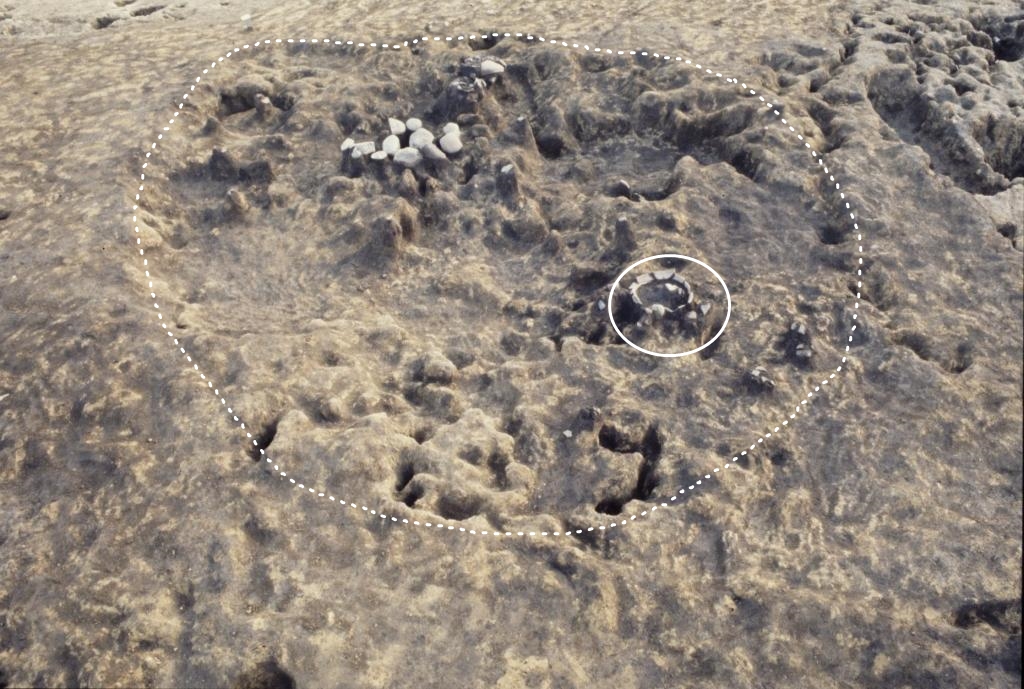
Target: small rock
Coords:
[[413, 123], [664, 274], [331, 409], [357, 154], [347, 144], [798, 343], [397, 126], [567, 433], [366, 147], [263, 105], [488, 67], [450, 127], [391, 144], [408, 156], [759, 379], [420, 138], [379, 155], [238, 200], [507, 182], [451, 142], [432, 152], [620, 188], [223, 165], [469, 66], [435, 368]]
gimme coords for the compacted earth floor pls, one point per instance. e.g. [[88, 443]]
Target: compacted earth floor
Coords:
[[315, 363]]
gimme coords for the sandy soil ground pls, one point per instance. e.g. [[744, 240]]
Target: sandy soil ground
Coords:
[[511, 496]]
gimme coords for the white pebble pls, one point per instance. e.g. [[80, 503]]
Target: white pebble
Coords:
[[390, 145], [420, 138], [413, 123], [356, 154], [567, 434], [366, 147], [449, 128], [488, 67], [397, 126], [408, 156], [451, 143], [379, 155], [347, 144]]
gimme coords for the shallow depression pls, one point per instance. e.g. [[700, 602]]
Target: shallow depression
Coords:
[[370, 298]]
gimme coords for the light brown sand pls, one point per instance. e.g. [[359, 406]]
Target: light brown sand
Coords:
[[421, 345]]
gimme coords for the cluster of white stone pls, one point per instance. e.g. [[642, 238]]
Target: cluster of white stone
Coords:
[[420, 143]]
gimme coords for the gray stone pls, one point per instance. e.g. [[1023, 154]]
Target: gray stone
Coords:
[[451, 142], [413, 123], [434, 368], [366, 147], [432, 152], [391, 144], [331, 409], [238, 200], [420, 138], [408, 156], [758, 378], [397, 126]]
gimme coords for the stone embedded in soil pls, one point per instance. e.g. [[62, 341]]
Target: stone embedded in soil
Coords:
[[462, 95], [432, 152], [798, 343], [366, 147], [420, 138], [413, 123], [508, 181], [408, 156], [264, 106], [331, 409], [434, 368], [488, 67], [451, 142], [759, 380], [397, 126], [238, 200]]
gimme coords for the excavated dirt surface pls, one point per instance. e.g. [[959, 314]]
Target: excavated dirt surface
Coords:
[[415, 362]]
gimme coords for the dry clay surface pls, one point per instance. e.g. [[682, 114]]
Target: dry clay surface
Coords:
[[432, 342]]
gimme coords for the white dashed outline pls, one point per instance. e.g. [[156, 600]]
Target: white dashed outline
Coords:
[[529, 37]]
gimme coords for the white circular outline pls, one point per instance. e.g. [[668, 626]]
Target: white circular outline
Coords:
[[802, 407], [721, 331]]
